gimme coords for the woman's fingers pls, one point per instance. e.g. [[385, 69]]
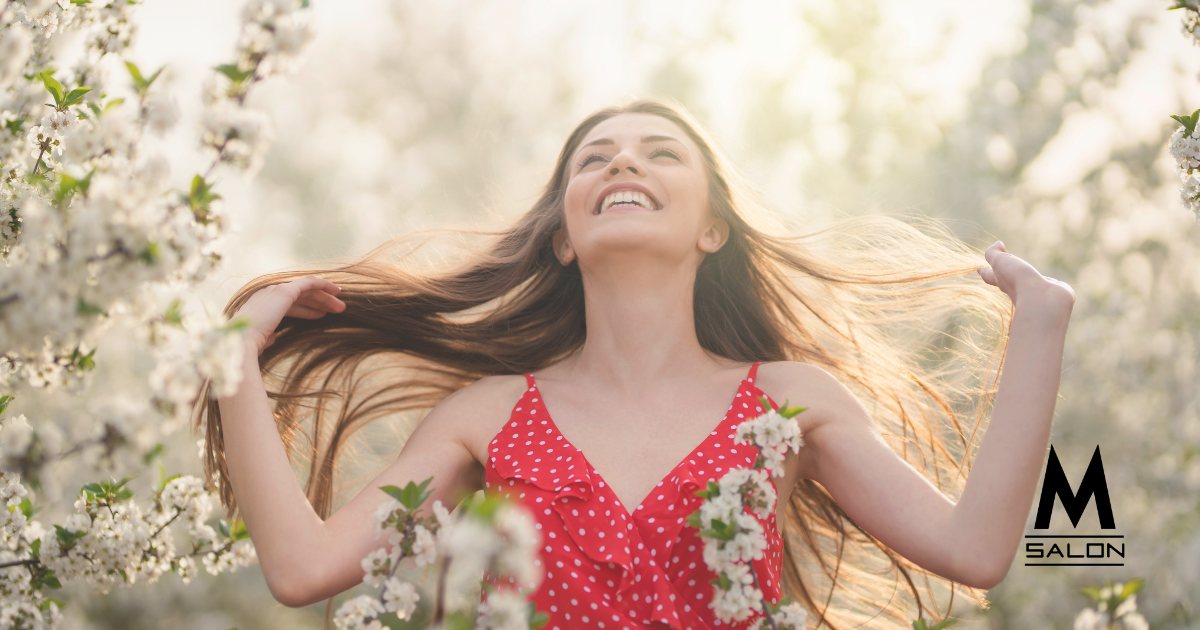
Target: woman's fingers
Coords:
[[322, 301], [305, 312]]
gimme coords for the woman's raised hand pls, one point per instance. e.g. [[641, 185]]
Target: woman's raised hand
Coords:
[[309, 297], [1014, 276]]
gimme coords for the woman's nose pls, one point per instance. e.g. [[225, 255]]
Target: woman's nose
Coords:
[[623, 162]]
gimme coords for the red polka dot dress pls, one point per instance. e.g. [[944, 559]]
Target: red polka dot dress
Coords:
[[609, 568]]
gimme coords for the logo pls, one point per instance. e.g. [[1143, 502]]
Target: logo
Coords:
[[1075, 549]]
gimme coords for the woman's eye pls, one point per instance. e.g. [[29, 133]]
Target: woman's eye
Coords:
[[588, 160], [665, 151]]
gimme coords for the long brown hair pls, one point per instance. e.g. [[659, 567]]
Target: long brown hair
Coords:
[[891, 308]]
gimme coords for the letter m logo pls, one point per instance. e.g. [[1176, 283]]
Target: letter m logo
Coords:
[[1055, 483]]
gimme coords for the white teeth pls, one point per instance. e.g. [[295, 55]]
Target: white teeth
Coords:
[[626, 196]]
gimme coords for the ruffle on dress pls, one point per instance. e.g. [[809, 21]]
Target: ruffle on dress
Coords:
[[620, 570]]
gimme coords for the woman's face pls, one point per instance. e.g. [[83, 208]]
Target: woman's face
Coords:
[[637, 184]]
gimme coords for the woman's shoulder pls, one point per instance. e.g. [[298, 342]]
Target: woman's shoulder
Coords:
[[808, 385], [477, 411]]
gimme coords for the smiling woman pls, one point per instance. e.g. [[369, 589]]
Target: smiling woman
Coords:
[[598, 354]]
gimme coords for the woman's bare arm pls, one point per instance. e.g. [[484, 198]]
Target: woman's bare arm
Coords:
[[303, 558], [974, 541]]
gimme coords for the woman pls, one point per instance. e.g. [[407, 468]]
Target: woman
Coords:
[[639, 297]]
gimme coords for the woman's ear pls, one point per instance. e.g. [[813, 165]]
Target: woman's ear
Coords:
[[713, 238], [562, 247]]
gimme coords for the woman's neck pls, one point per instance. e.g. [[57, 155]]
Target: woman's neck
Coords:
[[640, 327]]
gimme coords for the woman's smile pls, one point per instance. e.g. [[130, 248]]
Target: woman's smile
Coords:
[[626, 196]]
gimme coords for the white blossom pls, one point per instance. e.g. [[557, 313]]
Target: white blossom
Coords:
[[503, 611], [739, 500], [15, 436], [774, 435], [741, 599], [161, 112], [379, 564], [517, 557], [789, 617], [359, 613], [399, 597], [275, 36], [16, 45], [424, 547], [237, 136]]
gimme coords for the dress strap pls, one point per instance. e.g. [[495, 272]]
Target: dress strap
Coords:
[[753, 371], [529, 380]]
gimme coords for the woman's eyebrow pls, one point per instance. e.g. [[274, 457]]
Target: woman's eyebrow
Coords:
[[645, 140]]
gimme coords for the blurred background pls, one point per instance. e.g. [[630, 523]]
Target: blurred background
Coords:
[[1042, 123]]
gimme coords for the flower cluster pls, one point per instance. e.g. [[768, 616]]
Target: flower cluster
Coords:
[[1185, 148], [275, 35], [1191, 18], [774, 433], [109, 539], [489, 535], [91, 233], [1116, 608], [729, 520], [22, 604]]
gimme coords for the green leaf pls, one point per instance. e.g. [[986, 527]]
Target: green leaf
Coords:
[[150, 254], [79, 360], [86, 308], [412, 495], [68, 186], [236, 75], [113, 103], [53, 87], [14, 126], [394, 492], [74, 96], [174, 314], [35, 548], [66, 537], [138, 81], [168, 480], [791, 412], [238, 529], [409, 496], [51, 581], [141, 84], [720, 530], [200, 198], [424, 494], [1188, 121], [538, 620], [459, 621], [4, 402], [1132, 587], [237, 324], [149, 456], [26, 507], [722, 582]]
